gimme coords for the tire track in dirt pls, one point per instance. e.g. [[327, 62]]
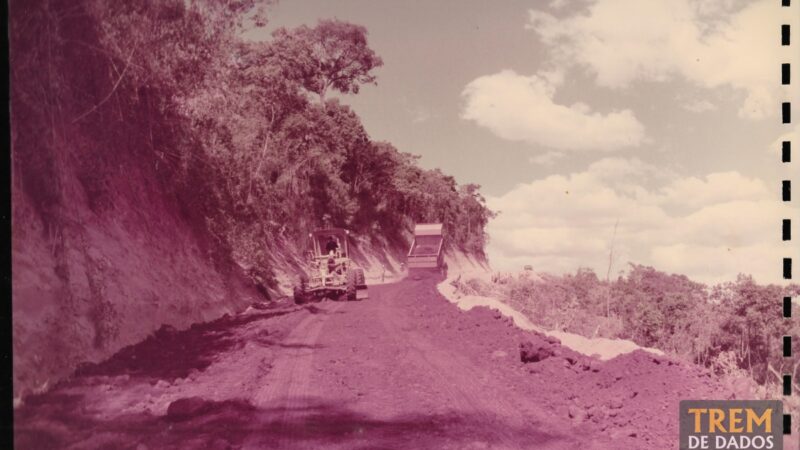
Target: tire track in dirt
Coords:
[[453, 373], [286, 387]]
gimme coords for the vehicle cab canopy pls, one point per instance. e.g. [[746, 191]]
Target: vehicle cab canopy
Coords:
[[320, 240], [428, 229]]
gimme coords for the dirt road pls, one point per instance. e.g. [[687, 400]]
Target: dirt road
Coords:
[[403, 369]]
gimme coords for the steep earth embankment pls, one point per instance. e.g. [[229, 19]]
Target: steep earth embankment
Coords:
[[91, 280]]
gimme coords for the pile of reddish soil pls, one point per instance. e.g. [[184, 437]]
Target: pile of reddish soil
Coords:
[[634, 395]]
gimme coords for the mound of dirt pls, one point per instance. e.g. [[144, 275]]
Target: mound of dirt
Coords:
[[544, 348], [634, 395], [630, 399]]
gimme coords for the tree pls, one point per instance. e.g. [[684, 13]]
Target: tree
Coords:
[[750, 327], [333, 54], [225, 126]]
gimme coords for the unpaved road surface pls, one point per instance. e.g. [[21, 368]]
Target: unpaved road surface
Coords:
[[403, 369]]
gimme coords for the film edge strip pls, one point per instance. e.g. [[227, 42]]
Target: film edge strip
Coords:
[[786, 225]]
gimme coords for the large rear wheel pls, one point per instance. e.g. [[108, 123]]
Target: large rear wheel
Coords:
[[361, 280], [351, 285]]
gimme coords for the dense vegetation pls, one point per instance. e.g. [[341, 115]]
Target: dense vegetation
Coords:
[[246, 136], [732, 328]]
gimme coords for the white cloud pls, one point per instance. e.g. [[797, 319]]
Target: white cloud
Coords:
[[711, 44], [547, 159], [420, 115], [558, 4], [710, 228], [715, 188], [521, 108], [793, 136], [699, 106], [721, 263]]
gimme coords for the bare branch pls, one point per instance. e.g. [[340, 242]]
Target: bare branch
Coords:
[[116, 85]]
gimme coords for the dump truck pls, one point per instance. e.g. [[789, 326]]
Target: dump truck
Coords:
[[427, 249], [332, 273]]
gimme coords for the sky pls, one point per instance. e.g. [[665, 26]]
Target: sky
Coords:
[[644, 129]]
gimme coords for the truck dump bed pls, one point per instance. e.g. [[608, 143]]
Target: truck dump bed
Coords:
[[426, 249]]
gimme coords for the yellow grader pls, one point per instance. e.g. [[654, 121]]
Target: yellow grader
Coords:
[[332, 273]]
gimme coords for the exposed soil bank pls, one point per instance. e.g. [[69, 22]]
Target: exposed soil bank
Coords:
[[92, 283]]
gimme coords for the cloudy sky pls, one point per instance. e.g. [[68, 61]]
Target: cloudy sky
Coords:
[[655, 117]]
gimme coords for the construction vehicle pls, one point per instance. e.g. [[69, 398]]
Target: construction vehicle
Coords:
[[427, 249], [332, 273]]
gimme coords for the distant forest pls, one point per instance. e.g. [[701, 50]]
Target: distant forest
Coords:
[[246, 136]]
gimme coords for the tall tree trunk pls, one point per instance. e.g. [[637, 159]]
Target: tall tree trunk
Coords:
[[322, 93]]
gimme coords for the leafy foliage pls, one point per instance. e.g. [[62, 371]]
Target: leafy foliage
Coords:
[[333, 54], [240, 133]]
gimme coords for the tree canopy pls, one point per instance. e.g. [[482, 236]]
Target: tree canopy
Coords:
[[331, 55], [241, 133]]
